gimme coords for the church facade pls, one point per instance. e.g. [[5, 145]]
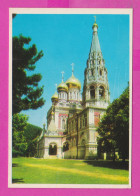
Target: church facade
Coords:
[[72, 120]]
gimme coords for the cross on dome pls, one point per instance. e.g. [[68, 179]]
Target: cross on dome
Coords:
[[62, 72], [95, 18], [72, 68], [95, 26]]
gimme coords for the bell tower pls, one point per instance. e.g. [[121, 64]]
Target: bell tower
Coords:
[[96, 87]]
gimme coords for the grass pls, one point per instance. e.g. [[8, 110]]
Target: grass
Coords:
[[55, 171]]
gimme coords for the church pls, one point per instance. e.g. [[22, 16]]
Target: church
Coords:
[[73, 119]]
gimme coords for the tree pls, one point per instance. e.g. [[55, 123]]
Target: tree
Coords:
[[31, 134], [13, 15], [19, 144], [114, 127], [24, 136], [26, 92]]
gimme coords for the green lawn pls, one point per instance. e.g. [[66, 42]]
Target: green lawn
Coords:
[[55, 171]]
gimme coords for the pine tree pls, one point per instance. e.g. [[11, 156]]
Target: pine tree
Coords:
[[26, 93]]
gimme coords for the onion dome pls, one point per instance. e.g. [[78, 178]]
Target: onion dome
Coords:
[[55, 97], [73, 82], [62, 86], [95, 24]]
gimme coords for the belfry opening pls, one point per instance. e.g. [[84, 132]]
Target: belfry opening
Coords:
[[92, 92]]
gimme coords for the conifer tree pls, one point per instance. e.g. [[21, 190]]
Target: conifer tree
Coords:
[[26, 93]]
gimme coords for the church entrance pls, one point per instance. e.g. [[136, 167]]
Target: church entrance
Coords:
[[52, 149]]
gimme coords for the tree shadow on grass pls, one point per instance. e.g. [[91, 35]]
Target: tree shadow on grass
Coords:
[[17, 180], [110, 164], [15, 165]]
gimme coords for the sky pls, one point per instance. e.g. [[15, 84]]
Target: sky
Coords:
[[66, 39]]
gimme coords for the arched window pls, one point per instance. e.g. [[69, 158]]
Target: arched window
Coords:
[[70, 95], [63, 123], [92, 92], [65, 146], [101, 92], [100, 72]]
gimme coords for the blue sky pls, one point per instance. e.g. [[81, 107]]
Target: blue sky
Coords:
[[66, 39]]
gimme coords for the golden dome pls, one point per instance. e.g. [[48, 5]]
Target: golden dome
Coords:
[[62, 86], [55, 96], [95, 25], [72, 81]]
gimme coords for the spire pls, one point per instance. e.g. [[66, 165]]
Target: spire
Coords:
[[52, 126], [96, 82], [95, 45]]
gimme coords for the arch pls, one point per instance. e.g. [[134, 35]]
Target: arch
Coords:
[[70, 95], [52, 148], [92, 92], [101, 72], [63, 123], [65, 146], [101, 92]]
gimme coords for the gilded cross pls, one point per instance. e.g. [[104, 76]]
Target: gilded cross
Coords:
[[62, 72], [72, 67], [95, 18]]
